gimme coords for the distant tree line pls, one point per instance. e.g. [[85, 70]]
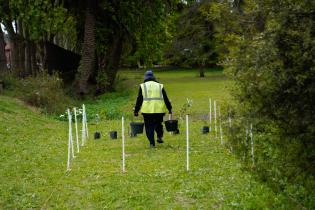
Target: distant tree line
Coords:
[[105, 35], [102, 32]]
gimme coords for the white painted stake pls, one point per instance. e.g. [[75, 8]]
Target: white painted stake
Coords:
[[76, 129], [70, 141], [69, 156], [252, 142], [85, 122], [215, 118], [246, 140], [187, 144], [123, 143], [69, 145], [83, 127], [230, 119], [221, 135], [70, 132], [210, 115]]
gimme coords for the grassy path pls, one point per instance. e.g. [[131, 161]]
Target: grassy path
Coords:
[[157, 178], [33, 163], [33, 154]]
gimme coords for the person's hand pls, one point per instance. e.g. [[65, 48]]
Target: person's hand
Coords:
[[136, 114]]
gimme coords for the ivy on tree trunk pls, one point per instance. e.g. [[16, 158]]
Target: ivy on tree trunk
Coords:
[[88, 51]]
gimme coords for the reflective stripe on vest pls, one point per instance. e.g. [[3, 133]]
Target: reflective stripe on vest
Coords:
[[153, 101], [146, 98]]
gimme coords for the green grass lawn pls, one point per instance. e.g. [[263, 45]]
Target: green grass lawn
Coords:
[[179, 85], [33, 155]]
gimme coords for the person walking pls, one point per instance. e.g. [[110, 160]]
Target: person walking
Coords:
[[153, 103]]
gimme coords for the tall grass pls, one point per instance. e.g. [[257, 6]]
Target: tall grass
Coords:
[[43, 91]]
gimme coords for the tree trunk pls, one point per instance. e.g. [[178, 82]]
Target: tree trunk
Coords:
[[201, 72], [33, 59], [3, 61], [87, 62], [16, 44], [20, 44], [42, 52], [17, 64], [27, 51], [113, 63]]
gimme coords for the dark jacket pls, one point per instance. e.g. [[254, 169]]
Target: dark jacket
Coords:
[[140, 99]]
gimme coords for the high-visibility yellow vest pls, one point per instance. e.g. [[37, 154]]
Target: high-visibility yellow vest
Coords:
[[153, 101]]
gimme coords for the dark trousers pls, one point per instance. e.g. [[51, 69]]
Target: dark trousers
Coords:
[[153, 122]]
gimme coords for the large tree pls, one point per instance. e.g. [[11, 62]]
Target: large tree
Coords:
[[30, 24], [121, 28], [87, 64], [3, 66], [194, 43]]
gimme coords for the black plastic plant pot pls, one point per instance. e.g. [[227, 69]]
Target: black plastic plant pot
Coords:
[[176, 132], [132, 135], [171, 125], [97, 135], [136, 127], [113, 134], [205, 129]]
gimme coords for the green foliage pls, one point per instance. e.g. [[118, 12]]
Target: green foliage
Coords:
[[141, 24], [108, 106], [194, 43], [42, 18], [270, 46], [10, 82], [185, 109], [43, 91]]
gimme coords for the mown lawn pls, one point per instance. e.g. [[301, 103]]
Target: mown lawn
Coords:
[[33, 154], [183, 84]]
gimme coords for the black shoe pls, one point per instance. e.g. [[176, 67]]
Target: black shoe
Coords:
[[159, 140], [152, 146]]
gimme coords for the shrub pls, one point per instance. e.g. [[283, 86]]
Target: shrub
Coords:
[[10, 82], [271, 61], [44, 91]]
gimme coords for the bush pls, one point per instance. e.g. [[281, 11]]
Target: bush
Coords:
[[271, 61], [44, 91], [10, 82]]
